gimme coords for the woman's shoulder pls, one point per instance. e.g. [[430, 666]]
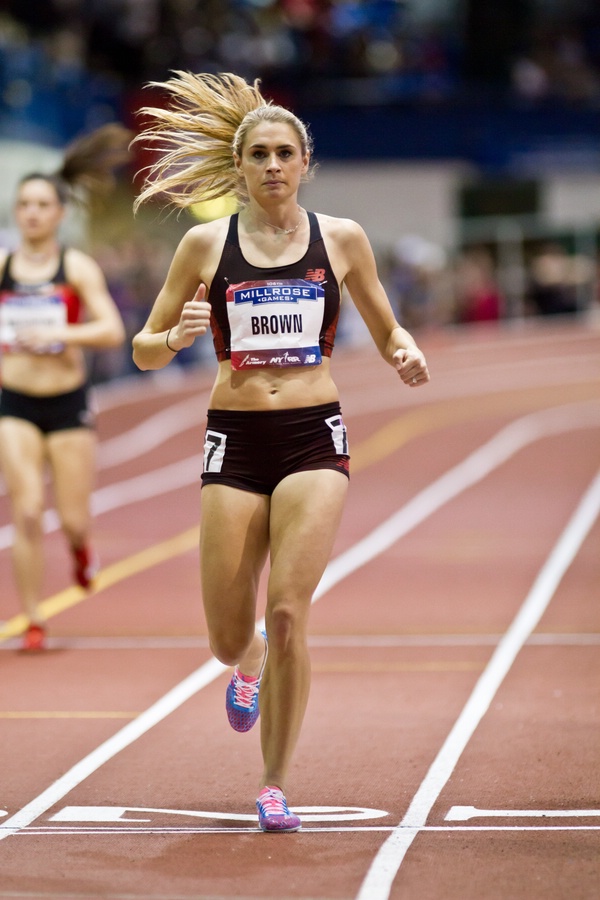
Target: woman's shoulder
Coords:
[[340, 230], [205, 233], [77, 262]]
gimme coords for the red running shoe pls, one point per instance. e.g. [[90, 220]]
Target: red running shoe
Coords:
[[85, 565], [34, 638]]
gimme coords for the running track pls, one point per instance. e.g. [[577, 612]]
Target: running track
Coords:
[[450, 749]]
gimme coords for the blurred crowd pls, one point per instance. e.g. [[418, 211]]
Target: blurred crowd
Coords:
[[65, 64], [431, 289]]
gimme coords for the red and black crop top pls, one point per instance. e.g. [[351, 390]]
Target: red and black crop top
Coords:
[[53, 303], [278, 316]]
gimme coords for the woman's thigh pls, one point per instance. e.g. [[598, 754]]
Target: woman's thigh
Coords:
[[22, 459], [306, 509], [234, 533]]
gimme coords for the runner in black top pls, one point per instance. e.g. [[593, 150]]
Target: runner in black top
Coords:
[[272, 303], [54, 304], [314, 267]]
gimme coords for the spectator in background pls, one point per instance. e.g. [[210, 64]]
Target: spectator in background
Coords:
[[478, 297], [552, 288], [416, 273]]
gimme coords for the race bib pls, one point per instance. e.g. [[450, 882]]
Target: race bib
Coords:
[[275, 323], [19, 312]]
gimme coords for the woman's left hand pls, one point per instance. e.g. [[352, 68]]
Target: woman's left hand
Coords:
[[411, 366]]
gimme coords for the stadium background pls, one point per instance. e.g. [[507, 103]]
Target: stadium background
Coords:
[[462, 134]]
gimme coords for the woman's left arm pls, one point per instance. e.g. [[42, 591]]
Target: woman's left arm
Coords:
[[103, 327], [394, 343]]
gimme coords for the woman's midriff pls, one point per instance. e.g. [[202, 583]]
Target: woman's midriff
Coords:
[[272, 388], [44, 375]]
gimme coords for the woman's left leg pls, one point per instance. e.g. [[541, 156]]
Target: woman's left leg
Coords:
[[306, 509], [72, 456]]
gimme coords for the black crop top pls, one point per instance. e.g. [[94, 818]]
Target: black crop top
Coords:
[[280, 316]]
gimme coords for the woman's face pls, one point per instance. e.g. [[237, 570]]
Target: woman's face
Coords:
[[272, 162], [38, 211]]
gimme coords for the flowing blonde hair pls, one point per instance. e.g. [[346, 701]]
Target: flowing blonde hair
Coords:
[[89, 162], [197, 134]]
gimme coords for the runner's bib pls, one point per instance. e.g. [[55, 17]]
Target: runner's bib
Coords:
[[275, 323], [19, 312]]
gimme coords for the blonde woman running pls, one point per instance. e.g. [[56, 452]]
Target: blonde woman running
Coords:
[[54, 305], [267, 281]]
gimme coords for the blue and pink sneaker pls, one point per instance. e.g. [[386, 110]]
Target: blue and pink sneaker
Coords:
[[273, 812], [241, 699]]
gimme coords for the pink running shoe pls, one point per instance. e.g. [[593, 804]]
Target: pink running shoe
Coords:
[[85, 565], [273, 812], [241, 698]]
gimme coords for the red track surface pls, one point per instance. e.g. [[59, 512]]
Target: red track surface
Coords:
[[455, 644]]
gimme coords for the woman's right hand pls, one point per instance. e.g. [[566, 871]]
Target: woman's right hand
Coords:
[[194, 321]]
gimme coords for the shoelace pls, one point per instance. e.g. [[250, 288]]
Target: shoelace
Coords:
[[274, 803], [245, 692]]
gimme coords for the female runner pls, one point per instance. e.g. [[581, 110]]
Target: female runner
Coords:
[[54, 305], [267, 282]]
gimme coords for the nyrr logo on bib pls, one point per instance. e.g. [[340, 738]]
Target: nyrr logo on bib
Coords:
[[275, 323]]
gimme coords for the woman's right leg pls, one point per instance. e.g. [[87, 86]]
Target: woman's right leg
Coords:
[[22, 459], [234, 535]]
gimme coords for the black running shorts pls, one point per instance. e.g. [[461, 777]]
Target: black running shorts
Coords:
[[55, 413], [254, 451]]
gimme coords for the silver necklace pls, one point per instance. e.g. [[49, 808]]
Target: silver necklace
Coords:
[[277, 228]]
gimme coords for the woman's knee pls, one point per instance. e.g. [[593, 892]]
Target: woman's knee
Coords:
[[286, 625], [230, 647], [28, 519]]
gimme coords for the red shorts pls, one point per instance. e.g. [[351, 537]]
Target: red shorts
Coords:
[[254, 451]]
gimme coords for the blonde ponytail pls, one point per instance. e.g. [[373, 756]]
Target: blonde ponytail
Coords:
[[206, 121]]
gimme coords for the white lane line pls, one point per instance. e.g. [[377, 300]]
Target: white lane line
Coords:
[[151, 433], [474, 468], [330, 641], [61, 831], [383, 870], [464, 813], [172, 700]]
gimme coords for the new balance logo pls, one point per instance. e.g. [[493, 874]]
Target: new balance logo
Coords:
[[315, 275]]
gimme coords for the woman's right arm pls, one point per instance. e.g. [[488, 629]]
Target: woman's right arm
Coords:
[[180, 312]]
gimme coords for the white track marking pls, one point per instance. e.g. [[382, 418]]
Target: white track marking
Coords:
[[194, 642], [383, 870], [464, 813], [103, 831], [474, 468], [172, 700], [122, 814], [151, 433]]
